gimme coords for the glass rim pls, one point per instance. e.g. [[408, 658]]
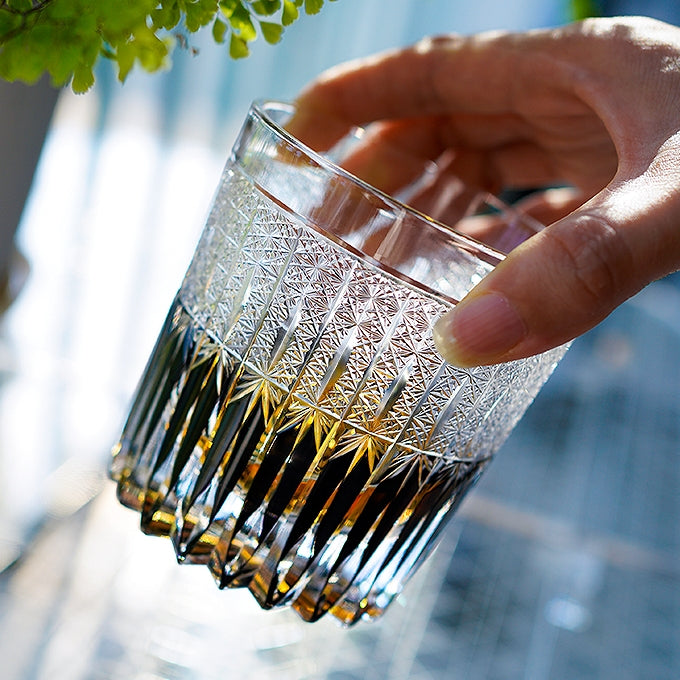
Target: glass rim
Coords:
[[473, 246]]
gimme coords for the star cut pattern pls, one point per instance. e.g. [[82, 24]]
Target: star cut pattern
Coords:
[[295, 429]]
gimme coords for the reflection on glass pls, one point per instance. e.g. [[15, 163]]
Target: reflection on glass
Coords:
[[295, 429]]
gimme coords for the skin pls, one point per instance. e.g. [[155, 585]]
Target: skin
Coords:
[[594, 106]]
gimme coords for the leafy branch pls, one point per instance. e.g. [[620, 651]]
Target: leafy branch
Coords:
[[66, 38]]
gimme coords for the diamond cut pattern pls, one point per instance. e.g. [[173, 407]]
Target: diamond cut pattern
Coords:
[[306, 437]]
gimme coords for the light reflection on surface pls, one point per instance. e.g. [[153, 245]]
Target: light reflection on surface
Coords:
[[567, 563]]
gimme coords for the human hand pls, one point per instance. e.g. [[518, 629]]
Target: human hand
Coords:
[[593, 105]]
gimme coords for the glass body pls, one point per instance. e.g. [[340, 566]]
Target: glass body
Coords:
[[295, 429]]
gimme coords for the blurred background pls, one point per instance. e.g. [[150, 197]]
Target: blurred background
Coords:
[[563, 563]]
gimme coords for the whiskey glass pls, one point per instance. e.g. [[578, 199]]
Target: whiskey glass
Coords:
[[295, 429]]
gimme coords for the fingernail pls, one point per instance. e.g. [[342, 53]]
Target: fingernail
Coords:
[[479, 331]]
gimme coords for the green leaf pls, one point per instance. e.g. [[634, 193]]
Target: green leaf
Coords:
[[219, 30], [271, 32], [313, 6], [61, 69], [238, 47], [83, 79], [20, 5], [228, 7], [27, 58], [166, 15], [151, 50], [242, 24], [198, 13], [65, 38], [290, 13], [126, 60], [266, 7], [8, 24]]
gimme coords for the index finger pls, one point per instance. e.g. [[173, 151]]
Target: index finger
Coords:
[[475, 74]]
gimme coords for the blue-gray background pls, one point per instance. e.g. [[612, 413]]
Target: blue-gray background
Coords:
[[563, 564]]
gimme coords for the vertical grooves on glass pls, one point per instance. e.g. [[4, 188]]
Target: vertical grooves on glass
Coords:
[[295, 430], [232, 552], [309, 511], [377, 502], [224, 459], [164, 371]]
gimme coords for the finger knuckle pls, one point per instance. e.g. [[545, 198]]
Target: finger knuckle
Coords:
[[432, 43], [598, 257]]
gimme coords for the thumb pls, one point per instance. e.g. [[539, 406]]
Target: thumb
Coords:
[[566, 279]]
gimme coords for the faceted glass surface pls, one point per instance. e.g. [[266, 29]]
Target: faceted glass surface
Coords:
[[295, 429]]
